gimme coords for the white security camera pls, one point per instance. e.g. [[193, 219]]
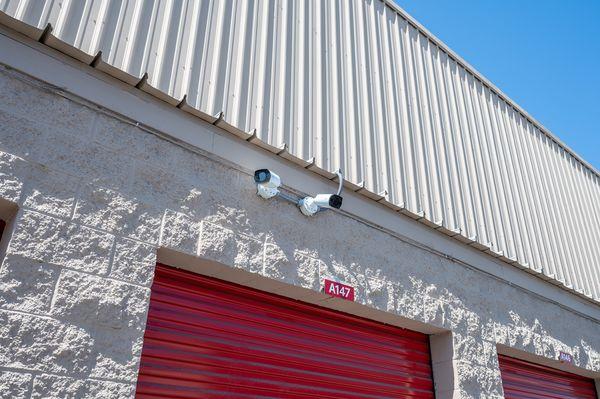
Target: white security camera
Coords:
[[311, 205], [267, 183]]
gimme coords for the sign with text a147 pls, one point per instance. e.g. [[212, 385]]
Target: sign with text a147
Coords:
[[565, 357], [338, 290]]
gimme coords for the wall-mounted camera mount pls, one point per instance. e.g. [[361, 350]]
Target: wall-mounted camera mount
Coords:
[[268, 183]]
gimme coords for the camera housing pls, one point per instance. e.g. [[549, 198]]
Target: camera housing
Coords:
[[329, 201], [267, 183]]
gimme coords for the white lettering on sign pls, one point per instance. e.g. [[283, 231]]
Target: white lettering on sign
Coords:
[[339, 290], [565, 357]]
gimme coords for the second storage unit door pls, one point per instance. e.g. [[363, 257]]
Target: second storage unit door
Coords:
[[524, 380], [207, 338]]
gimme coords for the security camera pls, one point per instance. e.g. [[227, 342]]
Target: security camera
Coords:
[[311, 205], [267, 183]]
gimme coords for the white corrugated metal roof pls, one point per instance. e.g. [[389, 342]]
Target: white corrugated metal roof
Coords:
[[359, 85]]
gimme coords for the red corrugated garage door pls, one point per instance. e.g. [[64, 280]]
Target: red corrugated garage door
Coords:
[[207, 338], [522, 379]]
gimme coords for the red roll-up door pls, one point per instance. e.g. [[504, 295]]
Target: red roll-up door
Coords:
[[208, 338], [522, 379]]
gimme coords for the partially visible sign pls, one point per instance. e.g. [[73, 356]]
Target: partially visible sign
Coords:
[[565, 357], [338, 290]]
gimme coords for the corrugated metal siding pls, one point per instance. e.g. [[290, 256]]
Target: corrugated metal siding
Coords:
[[358, 86]]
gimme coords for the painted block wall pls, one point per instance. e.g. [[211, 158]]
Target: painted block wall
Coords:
[[97, 197]]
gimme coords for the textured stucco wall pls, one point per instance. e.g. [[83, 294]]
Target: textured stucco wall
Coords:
[[97, 197]]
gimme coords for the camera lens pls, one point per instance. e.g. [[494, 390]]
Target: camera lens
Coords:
[[335, 201], [262, 175]]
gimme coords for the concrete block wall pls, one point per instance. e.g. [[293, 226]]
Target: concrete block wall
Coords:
[[97, 197]]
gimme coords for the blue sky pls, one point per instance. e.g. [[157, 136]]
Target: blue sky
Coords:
[[544, 54]]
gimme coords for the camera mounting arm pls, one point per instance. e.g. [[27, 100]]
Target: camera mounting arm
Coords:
[[340, 176]]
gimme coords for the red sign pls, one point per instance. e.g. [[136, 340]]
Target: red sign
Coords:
[[565, 357], [339, 290]]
